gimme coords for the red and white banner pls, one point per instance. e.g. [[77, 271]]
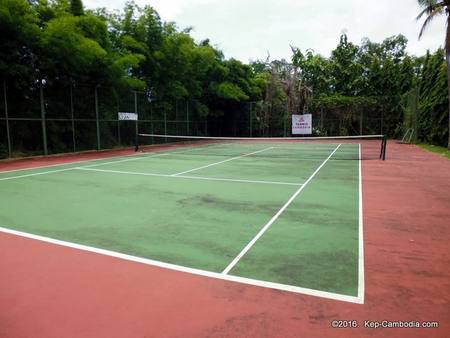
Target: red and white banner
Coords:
[[302, 124]]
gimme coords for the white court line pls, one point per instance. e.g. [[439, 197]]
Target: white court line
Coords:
[[204, 273], [361, 237], [187, 177], [35, 174], [66, 163], [239, 180], [275, 217], [156, 154], [122, 172], [128, 159], [220, 162], [137, 155], [65, 169], [134, 158]]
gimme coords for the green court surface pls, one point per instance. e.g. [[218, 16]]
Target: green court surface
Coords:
[[274, 212]]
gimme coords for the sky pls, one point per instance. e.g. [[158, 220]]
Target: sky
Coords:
[[253, 29]]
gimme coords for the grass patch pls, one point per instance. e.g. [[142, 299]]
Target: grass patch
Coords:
[[436, 149]]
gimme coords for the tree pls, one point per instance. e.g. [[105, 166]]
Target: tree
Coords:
[[313, 68], [432, 108], [433, 8], [19, 39], [76, 7], [345, 68]]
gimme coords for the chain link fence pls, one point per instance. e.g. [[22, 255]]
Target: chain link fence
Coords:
[[51, 117], [58, 116], [328, 123], [259, 119]]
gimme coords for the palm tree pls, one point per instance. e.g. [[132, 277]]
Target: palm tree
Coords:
[[432, 9]]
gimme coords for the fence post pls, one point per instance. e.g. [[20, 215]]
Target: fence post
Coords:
[[321, 119], [136, 112], [165, 125], [152, 128], [119, 139], [381, 123], [360, 122], [72, 117], [177, 132], [187, 117], [288, 121], [416, 108], [8, 135], [251, 119], [44, 125], [97, 122], [285, 116]]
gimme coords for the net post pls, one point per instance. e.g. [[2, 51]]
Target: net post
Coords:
[[136, 143], [383, 148]]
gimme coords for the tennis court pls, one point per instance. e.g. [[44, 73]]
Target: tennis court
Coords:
[[283, 214]]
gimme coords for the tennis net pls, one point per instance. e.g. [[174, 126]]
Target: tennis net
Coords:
[[350, 147]]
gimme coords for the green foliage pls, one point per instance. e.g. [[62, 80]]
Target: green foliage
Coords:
[[69, 49], [231, 91], [431, 9], [94, 28], [369, 79], [349, 103], [344, 68], [433, 100], [314, 70], [134, 49], [19, 38], [76, 7]]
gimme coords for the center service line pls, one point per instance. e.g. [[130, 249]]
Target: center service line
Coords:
[[275, 217]]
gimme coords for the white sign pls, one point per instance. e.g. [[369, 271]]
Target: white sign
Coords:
[[302, 124], [128, 117]]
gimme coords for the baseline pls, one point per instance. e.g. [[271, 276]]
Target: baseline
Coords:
[[216, 275]]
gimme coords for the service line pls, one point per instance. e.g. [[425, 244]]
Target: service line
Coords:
[[87, 168], [220, 162]]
